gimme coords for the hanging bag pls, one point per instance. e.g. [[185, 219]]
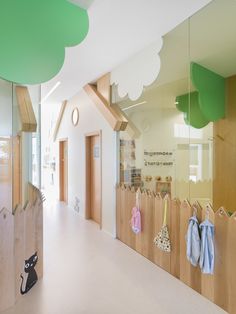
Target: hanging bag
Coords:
[[136, 215], [162, 240]]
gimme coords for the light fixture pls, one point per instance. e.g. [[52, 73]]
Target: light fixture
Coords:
[[135, 105], [51, 91]]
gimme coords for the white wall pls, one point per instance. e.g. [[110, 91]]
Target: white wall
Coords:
[[90, 120]]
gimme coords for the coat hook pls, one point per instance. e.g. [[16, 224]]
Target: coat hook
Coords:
[[195, 210], [220, 137], [221, 212]]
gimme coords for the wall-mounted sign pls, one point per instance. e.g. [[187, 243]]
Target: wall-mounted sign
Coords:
[[165, 158], [157, 163], [75, 116], [161, 153], [96, 151]]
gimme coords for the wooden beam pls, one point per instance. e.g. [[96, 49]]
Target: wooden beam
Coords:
[[28, 120], [104, 87], [131, 128], [116, 121], [59, 119]]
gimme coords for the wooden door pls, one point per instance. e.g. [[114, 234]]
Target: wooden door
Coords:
[[95, 179], [63, 156]]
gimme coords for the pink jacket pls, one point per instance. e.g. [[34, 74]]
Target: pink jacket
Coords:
[[136, 220]]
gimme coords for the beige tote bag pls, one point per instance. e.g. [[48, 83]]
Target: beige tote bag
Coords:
[[162, 240]]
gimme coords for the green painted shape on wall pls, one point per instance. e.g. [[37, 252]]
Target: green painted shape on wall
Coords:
[[211, 89], [208, 102], [189, 105], [34, 34]]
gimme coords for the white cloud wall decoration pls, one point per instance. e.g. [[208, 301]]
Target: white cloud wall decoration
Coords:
[[139, 71]]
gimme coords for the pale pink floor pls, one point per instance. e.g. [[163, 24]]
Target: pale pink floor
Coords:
[[88, 272]]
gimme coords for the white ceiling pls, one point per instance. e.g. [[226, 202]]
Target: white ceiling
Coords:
[[118, 30], [82, 3]]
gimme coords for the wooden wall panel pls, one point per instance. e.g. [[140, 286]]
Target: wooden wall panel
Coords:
[[157, 223], [127, 217], [30, 242], [175, 237], [21, 235], [147, 223], [231, 258], [38, 214], [221, 293], [7, 278], [224, 184], [19, 230], [221, 286], [118, 213], [123, 203], [130, 205], [207, 281]]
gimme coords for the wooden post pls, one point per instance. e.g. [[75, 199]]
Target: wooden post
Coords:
[[207, 288], [175, 237], [19, 238], [28, 120], [221, 293], [7, 274], [231, 258]]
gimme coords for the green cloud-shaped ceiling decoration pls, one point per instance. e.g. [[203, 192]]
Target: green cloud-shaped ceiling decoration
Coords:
[[208, 102], [211, 88], [192, 114], [34, 34]]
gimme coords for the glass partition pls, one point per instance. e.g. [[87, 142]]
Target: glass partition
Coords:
[[19, 150], [35, 94], [213, 48], [157, 156], [5, 144], [181, 138]]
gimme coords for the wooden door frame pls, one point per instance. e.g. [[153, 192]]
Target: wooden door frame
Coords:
[[87, 138], [63, 140]]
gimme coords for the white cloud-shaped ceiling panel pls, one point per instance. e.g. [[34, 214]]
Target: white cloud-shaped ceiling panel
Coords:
[[139, 71], [118, 30]]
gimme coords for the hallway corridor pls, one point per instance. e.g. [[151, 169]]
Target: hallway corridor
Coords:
[[88, 272]]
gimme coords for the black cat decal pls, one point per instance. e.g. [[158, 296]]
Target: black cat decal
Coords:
[[32, 277]]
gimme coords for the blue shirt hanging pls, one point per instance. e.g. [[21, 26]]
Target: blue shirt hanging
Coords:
[[193, 241], [207, 257]]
